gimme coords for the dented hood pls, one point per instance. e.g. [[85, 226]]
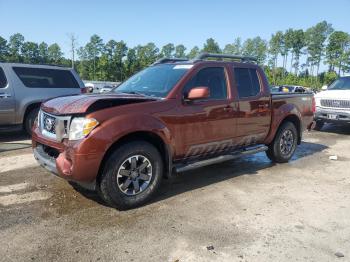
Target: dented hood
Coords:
[[88, 103]]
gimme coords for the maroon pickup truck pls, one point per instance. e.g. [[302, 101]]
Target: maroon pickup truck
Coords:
[[173, 116]]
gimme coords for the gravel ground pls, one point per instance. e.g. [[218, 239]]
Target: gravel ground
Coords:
[[243, 210]]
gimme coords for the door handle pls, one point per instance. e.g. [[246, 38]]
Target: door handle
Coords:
[[263, 106], [4, 95], [228, 108]]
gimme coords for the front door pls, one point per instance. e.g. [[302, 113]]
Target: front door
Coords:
[[205, 127], [7, 101]]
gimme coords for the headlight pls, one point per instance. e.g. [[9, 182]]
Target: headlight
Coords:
[[81, 127]]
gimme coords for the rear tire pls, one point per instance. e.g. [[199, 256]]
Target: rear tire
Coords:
[[30, 119], [131, 176], [284, 144], [318, 126]]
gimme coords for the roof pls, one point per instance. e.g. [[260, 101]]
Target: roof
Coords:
[[207, 57], [34, 65]]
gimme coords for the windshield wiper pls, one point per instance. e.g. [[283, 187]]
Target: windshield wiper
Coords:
[[134, 93], [141, 94]]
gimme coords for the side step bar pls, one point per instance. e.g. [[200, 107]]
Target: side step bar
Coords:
[[223, 158]]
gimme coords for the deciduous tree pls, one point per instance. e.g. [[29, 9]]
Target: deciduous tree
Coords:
[[256, 47], [180, 51], [55, 54], [235, 48], [15, 45], [167, 50], [30, 52], [298, 43], [43, 53], [194, 52], [211, 46], [337, 49], [316, 37], [4, 49]]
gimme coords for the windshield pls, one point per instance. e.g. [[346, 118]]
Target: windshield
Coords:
[[156, 81], [342, 83]]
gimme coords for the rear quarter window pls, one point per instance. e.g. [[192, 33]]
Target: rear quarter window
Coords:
[[46, 78], [3, 80]]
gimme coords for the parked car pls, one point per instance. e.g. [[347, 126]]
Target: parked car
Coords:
[[274, 89], [173, 116], [106, 89], [23, 88], [100, 86], [290, 89], [89, 88], [333, 103]]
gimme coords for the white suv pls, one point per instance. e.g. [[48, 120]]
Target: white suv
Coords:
[[333, 104]]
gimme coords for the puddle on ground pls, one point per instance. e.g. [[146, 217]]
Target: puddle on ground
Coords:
[[85, 208]]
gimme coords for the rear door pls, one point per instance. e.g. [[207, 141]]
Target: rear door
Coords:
[[7, 100], [254, 117]]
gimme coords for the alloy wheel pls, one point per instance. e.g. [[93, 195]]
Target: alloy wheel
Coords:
[[287, 142], [134, 175]]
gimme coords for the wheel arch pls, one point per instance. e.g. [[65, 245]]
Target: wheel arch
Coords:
[[147, 136], [297, 123], [29, 108]]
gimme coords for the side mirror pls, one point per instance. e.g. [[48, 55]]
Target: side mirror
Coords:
[[196, 93], [323, 88]]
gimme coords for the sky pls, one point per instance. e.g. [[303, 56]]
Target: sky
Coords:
[[189, 22]]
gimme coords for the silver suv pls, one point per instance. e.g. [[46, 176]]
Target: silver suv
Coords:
[[23, 88]]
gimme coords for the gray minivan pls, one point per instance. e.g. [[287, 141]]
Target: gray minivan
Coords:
[[23, 87]]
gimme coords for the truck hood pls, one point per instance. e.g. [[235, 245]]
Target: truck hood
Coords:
[[334, 94], [81, 104]]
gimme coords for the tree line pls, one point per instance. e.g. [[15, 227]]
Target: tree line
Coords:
[[293, 56]]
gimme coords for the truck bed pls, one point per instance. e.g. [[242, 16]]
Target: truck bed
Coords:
[[301, 104]]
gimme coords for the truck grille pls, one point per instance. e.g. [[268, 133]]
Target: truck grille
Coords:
[[335, 103], [49, 123], [54, 127]]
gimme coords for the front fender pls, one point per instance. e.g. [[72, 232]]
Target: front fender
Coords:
[[123, 125], [113, 129]]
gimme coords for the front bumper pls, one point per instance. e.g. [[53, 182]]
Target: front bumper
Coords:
[[44, 159], [341, 116], [72, 161]]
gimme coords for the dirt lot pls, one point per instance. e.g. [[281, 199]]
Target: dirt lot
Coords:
[[244, 210]]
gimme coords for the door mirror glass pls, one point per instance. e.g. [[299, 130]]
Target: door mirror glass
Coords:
[[196, 93]]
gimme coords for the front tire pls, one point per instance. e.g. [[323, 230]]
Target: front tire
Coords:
[[29, 120], [284, 144], [131, 176]]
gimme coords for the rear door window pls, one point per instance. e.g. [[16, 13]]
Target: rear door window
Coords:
[[247, 81], [46, 78], [3, 81]]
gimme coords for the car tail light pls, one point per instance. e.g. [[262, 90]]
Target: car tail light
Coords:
[[313, 105], [83, 90]]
